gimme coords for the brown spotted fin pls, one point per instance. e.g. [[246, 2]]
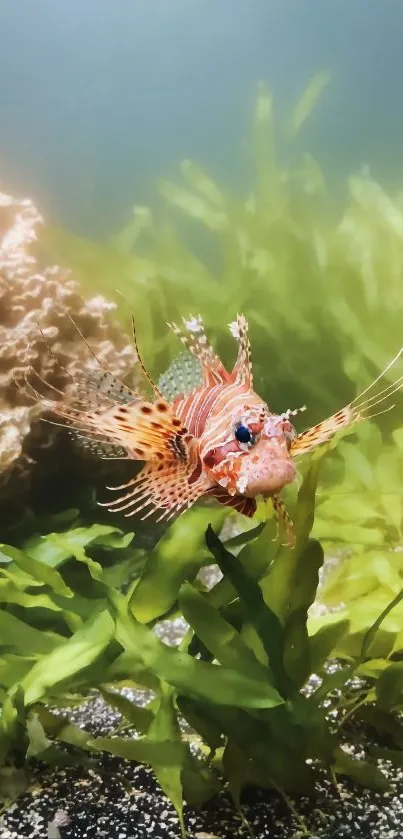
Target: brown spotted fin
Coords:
[[147, 431]]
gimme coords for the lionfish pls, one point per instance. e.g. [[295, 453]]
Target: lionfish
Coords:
[[204, 433]]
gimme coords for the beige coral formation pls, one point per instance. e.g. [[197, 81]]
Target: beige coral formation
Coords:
[[35, 302]]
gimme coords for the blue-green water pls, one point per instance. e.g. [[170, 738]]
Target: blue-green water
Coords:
[[100, 98]]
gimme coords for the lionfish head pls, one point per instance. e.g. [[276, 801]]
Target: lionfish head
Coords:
[[253, 456]]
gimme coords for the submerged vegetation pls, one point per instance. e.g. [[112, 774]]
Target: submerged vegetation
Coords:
[[239, 678], [321, 288]]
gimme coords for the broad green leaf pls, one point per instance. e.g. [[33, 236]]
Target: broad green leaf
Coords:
[[10, 594], [394, 756], [272, 747], [323, 643], [246, 536], [265, 621], [140, 718], [177, 557], [255, 557], [372, 668], [24, 638], [190, 677], [55, 548], [165, 727], [279, 581], [13, 668], [129, 670], [223, 641], [193, 712], [164, 752], [305, 583], [309, 99], [359, 574], [12, 720], [393, 507], [38, 742], [65, 544], [389, 687], [348, 534], [39, 570], [361, 771], [357, 464], [347, 508], [128, 237], [69, 658], [59, 727], [384, 723], [113, 539], [238, 768], [200, 783], [305, 512]]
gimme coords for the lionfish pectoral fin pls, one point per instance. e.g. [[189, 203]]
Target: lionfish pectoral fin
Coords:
[[322, 432], [242, 370], [193, 337], [361, 408], [153, 433], [150, 431], [246, 506], [167, 492]]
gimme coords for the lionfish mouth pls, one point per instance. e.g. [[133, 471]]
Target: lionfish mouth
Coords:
[[266, 482]]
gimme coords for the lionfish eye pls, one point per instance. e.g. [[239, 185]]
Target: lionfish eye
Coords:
[[243, 434]]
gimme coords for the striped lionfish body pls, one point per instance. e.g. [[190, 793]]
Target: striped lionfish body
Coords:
[[215, 437]]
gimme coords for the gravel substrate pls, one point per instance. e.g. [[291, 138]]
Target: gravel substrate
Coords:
[[77, 803], [118, 800]]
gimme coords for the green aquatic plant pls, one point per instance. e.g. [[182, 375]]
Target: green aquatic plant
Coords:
[[239, 677], [360, 520]]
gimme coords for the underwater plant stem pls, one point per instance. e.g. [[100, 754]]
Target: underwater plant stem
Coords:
[[352, 710], [291, 806], [370, 634]]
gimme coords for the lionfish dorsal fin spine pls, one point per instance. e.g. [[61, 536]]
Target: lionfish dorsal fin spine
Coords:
[[194, 338], [242, 370]]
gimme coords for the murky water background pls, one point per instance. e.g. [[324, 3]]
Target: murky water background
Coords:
[[99, 98]]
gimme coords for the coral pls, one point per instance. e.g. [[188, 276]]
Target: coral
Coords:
[[35, 331]]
